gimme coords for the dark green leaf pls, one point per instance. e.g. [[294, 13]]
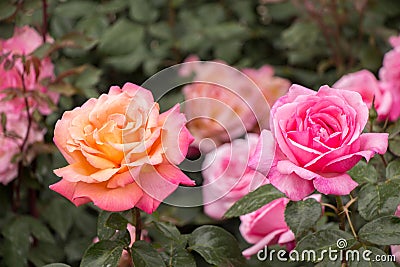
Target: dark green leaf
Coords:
[[254, 200], [378, 200], [103, 254], [216, 246], [325, 240], [301, 216], [121, 38], [57, 216], [168, 230], [75, 9], [57, 265], [394, 145], [174, 256], [142, 11], [144, 255], [363, 173], [394, 129], [103, 231], [367, 258], [116, 221], [393, 170], [6, 10], [382, 231]]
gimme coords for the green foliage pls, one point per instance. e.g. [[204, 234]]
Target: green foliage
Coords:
[[382, 231], [254, 200], [103, 253]]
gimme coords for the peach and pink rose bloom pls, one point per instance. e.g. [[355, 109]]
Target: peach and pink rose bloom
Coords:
[[122, 152], [318, 138]]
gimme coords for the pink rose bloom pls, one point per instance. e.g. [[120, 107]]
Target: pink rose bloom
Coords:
[[266, 226], [12, 139], [221, 104], [122, 152], [227, 178], [24, 41], [396, 248], [318, 139], [389, 75], [365, 83]]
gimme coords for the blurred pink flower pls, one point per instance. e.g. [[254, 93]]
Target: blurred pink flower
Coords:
[[11, 141], [267, 226], [24, 41], [318, 139], [389, 75], [365, 83], [221, 104], [227, 177]]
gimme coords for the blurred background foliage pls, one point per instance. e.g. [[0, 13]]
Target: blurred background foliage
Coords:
[[107, 42]]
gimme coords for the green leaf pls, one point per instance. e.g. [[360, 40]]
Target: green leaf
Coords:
[[394, 129], [103, 231], [325, 240], [144, 255], [39, 230], [43, 253], [121, 38], [142, 11], [369, 258], [393, 170], [57, 215], [174, 256], [87, 80], [254, 200], [75, 9], [363, 173], [6, 10], [168, 230], [301, 216], [103, 253], [382, 231], [394, 145], [116, 221], [16, 243], [216, 246], [129, 62], [378, 200]]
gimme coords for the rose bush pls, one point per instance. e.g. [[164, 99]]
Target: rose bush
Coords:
[[122, 152], [318, 138], [39, 72]]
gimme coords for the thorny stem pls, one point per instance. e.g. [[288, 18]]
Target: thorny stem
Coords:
[[330, 206], [138, 225], [342, 216], [44, 29]]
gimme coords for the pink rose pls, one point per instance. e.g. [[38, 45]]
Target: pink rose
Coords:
[[221, 104], [11, 141], [365, 83], [266, 226], [24, 41], [318, 138], [389, 75], [396, 248], [227, 177], [122, 152]]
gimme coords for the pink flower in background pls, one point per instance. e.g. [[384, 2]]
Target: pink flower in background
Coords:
[[227, 178], [318, 139], [122, 152], [24, 41], [266, 226], [365, 83], [396, 248], [12, 139], [221, 104], [272, 86], [389, 75]]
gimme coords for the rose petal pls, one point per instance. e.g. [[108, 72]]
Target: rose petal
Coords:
[[262, 243], [263, 155], [342, 184]]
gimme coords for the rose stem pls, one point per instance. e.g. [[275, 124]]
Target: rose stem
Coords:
[[138, 225]]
